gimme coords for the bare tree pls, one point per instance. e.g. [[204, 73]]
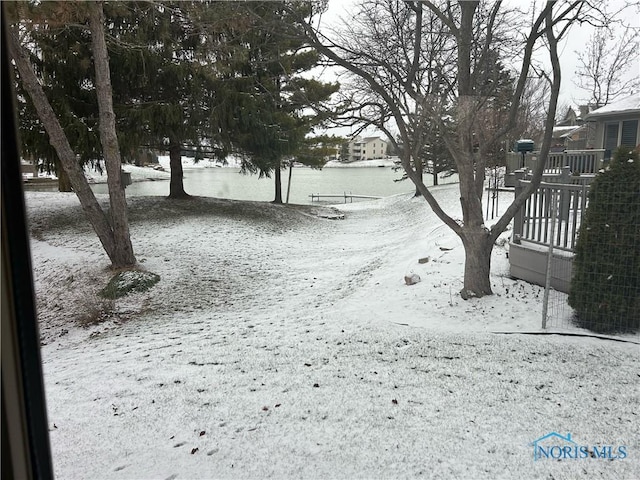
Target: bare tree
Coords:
[[389, 31], [605, 66], [112, 229], [404, 85], [534, 109]]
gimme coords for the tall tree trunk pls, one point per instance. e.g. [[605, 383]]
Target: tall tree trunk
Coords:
[[123, 253], [474, 234], [176, 185], [64, 184], [477, 263], [278, 182], [59, 141], [435, 178]]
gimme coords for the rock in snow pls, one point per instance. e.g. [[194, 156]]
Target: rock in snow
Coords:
[[411, 279]]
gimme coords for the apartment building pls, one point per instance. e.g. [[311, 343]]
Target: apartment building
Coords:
[[367, 148]]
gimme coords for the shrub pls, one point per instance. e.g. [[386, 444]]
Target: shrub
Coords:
[[129, 281], [605, 288]]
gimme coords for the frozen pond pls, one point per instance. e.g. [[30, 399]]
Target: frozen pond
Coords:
[[230, 183]]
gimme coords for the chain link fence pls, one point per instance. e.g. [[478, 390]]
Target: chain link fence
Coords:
[[582, 243], [602, 295]]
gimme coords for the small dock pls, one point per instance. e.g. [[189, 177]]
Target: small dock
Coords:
[[316, 197]]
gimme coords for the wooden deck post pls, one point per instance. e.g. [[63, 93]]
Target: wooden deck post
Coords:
[[565, 179]]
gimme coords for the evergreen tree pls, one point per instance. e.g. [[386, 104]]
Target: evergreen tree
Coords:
[[166, 58], [433, 155], [187, 76], [276, 106], [605, 288], [170, 59], [112, 227], [495, 85], [61, 59]]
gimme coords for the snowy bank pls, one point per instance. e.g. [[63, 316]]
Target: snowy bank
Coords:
[[138, 174], [279, 344]]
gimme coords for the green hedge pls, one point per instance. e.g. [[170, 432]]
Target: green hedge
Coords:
[[605, 288]]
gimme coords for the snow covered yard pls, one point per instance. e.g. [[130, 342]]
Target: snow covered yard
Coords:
[[281, 344]]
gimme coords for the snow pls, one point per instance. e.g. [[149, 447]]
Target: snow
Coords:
[[566, 131], [138, 174], [161, 172], [565, 128], [630, 104], [280, 344]]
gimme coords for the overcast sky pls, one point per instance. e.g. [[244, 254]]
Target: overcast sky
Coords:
[[575, 41]]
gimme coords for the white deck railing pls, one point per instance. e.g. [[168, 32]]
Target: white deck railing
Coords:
[[578, 161], [532, 222]]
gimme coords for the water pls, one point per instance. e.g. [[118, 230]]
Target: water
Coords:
[[230, 183]]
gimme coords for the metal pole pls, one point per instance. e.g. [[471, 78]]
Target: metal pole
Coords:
[[289, 183], [547, 281], [486, 217]]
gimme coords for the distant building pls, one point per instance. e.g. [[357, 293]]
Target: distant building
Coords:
[[367, 148], [570, 119], [572, 132]]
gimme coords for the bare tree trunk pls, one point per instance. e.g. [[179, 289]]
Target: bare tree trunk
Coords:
[[419, 166], [474, 234], [477, 263], [278, 184], [64, 184], [59, 141], [123, 253], [176, 185], [435, 178]]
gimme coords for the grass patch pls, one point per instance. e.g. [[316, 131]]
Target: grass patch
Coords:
[[95, 311], [129, 281]]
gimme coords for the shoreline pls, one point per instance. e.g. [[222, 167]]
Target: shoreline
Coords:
[[152, 173]]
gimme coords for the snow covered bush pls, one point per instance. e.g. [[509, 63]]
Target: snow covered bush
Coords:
[[128, 281], [605, 288]]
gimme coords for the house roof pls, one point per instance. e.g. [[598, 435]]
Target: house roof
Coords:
[[623, 106], [370, 139]]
